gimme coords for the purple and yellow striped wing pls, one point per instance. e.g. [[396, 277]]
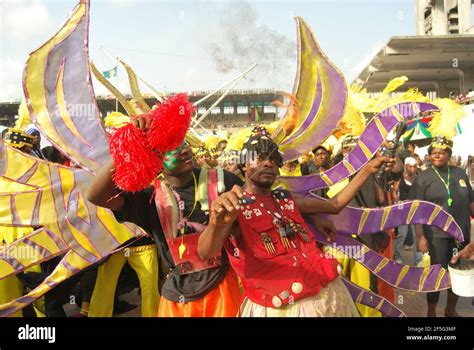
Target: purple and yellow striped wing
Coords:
[[360, 221], [370, 141], [321, 93], [368, 298], [59, 94], [36, 193], [48, 196]]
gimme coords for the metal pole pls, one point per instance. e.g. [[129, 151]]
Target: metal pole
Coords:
[[194, 132], [116, 99], [219, 100], [202, 127], [158, 95]]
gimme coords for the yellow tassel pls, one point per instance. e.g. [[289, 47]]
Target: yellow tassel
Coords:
[[116, 120], [394, 84]]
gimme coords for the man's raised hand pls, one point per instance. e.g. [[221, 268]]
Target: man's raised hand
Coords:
[[224, 208]]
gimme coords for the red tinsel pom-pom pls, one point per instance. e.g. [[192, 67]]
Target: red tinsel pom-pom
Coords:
[[170, 122], [136, 165]]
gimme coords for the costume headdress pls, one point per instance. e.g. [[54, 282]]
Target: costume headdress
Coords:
[[18, 138], [444, 125], [201, 151], [442, 142], [259, 144]]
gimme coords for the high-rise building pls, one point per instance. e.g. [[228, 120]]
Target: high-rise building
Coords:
[[444, 17], [438, 60]]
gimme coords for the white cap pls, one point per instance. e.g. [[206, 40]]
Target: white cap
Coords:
[[410, 161]]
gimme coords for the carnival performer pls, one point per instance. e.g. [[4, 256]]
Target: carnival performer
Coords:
[[449, 187], [283, 272], [202, 156], [193, 287], [321, 162]]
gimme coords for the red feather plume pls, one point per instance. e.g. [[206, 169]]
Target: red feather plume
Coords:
[[170, 122], [136, 165]]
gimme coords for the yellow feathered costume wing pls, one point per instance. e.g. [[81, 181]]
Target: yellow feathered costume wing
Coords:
[[444, 122]]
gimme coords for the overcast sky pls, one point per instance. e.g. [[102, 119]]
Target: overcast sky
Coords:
[[194, 45]]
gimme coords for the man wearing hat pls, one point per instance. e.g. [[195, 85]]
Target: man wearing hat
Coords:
[[283, 271], [449, 187]]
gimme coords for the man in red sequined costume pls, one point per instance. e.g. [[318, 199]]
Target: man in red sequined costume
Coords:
[[282, 269]]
